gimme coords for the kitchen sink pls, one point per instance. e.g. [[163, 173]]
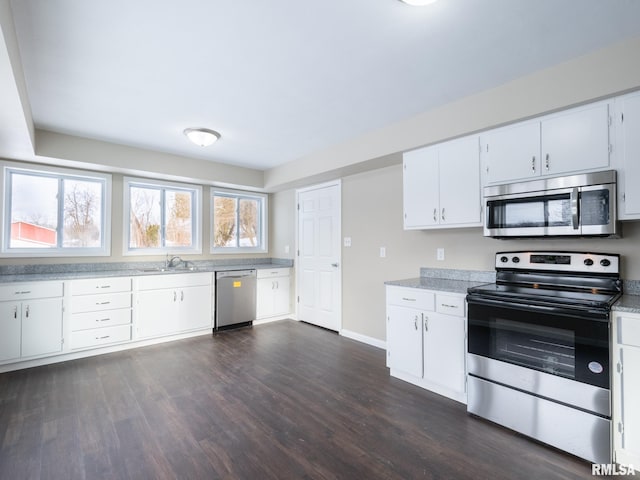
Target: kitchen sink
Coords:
[[190, 268]]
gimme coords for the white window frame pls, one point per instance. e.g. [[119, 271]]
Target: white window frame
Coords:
[[196, 247], [264, 221], [59, 173]]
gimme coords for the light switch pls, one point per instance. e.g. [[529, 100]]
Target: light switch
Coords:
[[286, 249], [383, 252], [347, 241], [440, 254]]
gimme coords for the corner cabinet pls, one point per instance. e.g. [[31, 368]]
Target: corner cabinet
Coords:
[[569, 141], [626, 388], [273, 293], [426, 339], [441, 185], [173, 303], [30, 320]]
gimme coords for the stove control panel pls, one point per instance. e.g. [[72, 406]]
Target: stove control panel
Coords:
[[559, 261]]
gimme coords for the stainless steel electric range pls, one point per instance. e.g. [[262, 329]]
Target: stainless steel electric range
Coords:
[[538, 348]]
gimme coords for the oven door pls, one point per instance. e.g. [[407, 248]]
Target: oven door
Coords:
[[562, 342]]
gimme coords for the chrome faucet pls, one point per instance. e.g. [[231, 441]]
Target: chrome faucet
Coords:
[[174, 261]]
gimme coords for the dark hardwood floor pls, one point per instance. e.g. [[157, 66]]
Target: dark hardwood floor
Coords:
[[279, 401]]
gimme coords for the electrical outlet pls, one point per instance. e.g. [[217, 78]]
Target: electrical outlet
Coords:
[[440, 254], [286, 249], [383, 252], [347, 241]]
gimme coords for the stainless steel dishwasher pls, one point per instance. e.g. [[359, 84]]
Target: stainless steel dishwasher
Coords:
[[235, 298]]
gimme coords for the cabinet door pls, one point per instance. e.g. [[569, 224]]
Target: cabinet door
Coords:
[[420, 188], [576, 140], [282, 296], [444, 351], [404, 340], [628, 123], [630, 399], [512, 153], [195, 308], [459, 167], [10, 330], [157, 312], [264, 301], [41, 327]]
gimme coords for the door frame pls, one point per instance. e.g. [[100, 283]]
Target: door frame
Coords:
[[319, 186]]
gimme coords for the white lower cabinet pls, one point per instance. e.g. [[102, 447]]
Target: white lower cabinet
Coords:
[[426, 339], [273, 293], [30, 325], [176, 303], [626, 388], [101, 312]]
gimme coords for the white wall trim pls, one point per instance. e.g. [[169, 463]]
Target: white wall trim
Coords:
[[374, 342]]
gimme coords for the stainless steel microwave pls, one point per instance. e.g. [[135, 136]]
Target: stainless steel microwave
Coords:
[[575, 205]]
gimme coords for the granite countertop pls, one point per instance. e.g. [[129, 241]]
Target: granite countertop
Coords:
[[437, 284], [101, 270], [627, 303]]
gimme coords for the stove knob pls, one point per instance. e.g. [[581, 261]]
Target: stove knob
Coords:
[[515, 259], [605, 262], [504, 259], [588, 262]]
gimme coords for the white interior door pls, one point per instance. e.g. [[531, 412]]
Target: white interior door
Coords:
[[319, 256]]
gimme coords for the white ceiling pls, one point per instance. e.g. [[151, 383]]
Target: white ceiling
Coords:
[[282, 79]]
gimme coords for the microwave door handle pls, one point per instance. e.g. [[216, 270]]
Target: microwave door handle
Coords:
[[575, 211]]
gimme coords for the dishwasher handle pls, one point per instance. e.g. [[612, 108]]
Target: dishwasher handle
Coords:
[[235, 274]]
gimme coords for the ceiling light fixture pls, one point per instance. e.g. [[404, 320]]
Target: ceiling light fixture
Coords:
[[202, 137], [419, 3]]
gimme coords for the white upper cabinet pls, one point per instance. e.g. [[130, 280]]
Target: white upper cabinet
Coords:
[[441, 185], [627, 155], [569, 141]]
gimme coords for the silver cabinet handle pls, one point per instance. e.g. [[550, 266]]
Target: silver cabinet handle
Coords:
[[546, 162], [27, 311], [103, 303], [533, 164], [443, 219], [449, 306], [102, 319], [335, 265], [102, 338], [15, 312], [175, 295], [426, 323], [435, 214], [103, 286], [415, 322], [181, 295], [408, 299]]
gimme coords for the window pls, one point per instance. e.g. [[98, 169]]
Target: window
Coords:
[[239, 222], [161, 217], [55, 212]]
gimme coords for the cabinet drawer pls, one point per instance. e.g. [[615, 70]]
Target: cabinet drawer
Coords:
[[100, 285], [450, 305], [108, 318], [629, 330], [100, 336], [173, 280], [20, 291], [411, 297], [95, 303], [272, 272]]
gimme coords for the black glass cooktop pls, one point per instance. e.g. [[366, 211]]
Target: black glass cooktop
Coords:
[[585, 298]]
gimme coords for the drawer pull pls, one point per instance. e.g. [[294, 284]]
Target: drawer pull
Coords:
[[103, 303], [22, 292], [102, 319], [449, 306], [102, 338], [103, 286], [408, 299]]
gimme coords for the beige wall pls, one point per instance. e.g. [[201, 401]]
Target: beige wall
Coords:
[[372, 217]]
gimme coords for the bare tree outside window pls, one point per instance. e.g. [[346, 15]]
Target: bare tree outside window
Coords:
[[145, 218], [178, 217], [224, 231], [248, 223], [82, 212]]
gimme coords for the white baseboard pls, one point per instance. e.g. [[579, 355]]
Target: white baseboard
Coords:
[[364, 339]]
